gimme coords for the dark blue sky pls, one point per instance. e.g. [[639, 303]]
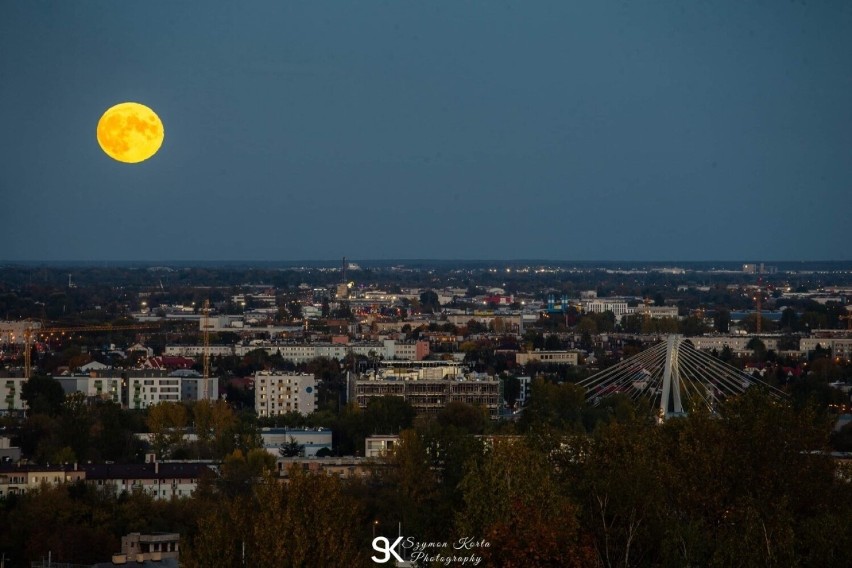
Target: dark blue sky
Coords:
[[312, 130]]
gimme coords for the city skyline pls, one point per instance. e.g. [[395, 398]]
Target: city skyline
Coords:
[[577, 131]]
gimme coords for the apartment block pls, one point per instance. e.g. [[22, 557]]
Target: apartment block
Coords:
[[428, 396], [278, 394]]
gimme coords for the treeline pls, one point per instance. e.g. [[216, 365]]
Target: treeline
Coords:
[[749, 487]]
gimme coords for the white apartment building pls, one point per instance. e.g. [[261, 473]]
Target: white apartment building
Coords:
[[198, 350], [304, 352], [379, 446], [840, 346], [10, 394], [18, 479], [601, 305], [143, 392], [655, 312], [102, 387], [278, 394], [550, 357], [160, 480], [736, 343]]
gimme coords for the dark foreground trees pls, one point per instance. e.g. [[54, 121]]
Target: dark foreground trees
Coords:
[[309, 521], [750, 487]]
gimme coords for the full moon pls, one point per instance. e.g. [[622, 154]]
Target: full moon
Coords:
[[130, 132]]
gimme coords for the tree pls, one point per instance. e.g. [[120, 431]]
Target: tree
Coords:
[[167, 423], [429, 302], [759, 348], [552, 342], [789, 320], [43, 395], [407, 487], [464, 417], [513, 500], [307, 522], [553, 405], [388, 415], [722, 321], [511, 390], [291, 448]]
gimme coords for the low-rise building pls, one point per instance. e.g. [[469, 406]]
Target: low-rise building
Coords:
[[736, 343], [342, 467], [311, 440], [380, 445], [548, 357], [160, 480], [17, 479]]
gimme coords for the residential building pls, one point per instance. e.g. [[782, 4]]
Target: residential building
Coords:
[[548, 357], [524, 393], [143, 392], [380, 445], [428, 396], [656, 312], [506, 322], [93, 385], [17, 479], [304, 352], [8, 452], [840, 346], [342, 467], [160, 480], [142, 388], [10, 394], [736, 343], [156, 547], [278, 394]]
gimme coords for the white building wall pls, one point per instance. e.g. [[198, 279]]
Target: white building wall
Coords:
[[279, 394], [840, 347], [10, 394]]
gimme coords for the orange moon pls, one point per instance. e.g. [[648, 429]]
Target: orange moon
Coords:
[[130, 132]]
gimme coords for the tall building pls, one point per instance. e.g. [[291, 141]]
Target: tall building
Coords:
[[278, 394]]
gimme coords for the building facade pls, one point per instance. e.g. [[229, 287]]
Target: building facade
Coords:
[[429, 396], [548, 357], [279, 394]]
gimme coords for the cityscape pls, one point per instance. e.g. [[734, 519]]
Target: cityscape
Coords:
[[432, 400], [425, 284]]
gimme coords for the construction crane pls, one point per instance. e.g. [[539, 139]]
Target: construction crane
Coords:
[[205, 326], [647, 313], [30, 332], [757, 300]]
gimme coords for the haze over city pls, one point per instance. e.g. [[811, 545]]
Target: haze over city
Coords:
[[717, 130]]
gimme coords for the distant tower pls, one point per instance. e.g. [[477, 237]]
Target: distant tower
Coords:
[[343, 287]]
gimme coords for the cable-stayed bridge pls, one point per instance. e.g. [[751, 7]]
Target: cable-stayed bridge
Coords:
[[674, 377]]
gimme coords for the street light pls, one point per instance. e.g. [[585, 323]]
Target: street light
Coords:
[[375, 524]]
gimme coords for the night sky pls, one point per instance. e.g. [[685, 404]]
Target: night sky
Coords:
[[630, 130]]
